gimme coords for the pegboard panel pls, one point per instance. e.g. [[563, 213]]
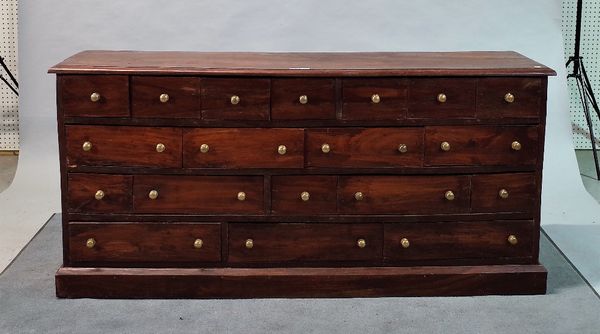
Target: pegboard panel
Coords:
[[9, 103], [590, 51]]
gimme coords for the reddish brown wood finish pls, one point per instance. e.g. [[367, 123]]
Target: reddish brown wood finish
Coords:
[[82, 190], [357, 103], [527, 94], [460, 98], [76, 91], [253, 94], [287, 190], [285, 99], [485, 190], [183, 97]]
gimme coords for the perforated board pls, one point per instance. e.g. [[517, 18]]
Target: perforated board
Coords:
[[9, 103]]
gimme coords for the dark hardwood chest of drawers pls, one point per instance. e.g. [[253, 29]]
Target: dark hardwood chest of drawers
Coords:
[[240, 175]]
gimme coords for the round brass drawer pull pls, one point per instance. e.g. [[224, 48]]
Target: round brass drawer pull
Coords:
[[198, 243], [512, 239], [509, 98], [249, 243], [503, 193], [153, 194], [99, 195], [164, 98], [375, 98], [404, 243], [325, 148], [87, 146], [359, 196], [235, 99], [361, 243], [449, 195], [305, 196], [204, 148], [303, 99], [515, 145], [160, 147], [442, 98], [90, 243], [402, 148], [281, 149], [241, 196], [445, 146], [95, 97]]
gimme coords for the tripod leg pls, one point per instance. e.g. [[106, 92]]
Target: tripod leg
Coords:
[[588, 118], [589, 91]]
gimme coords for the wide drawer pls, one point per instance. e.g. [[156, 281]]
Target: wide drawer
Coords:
[[458, 240], [516, 192], [302, 98], [290, 242], [374, 99], [99, 193], [123, 146], [94, 95], [198, 194], [303, 194], [165, 97], [144, 243], [442, 98], [509, 98], [243, 148], [235, 99]]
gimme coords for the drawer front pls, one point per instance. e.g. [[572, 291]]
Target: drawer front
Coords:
[[302, 99], [509, 98], [144, 243], [165, 97], [235, 99], [504, 193], [179, 194], [357, 147], [481, 145], [123, 146], [264, 243], [403, 194], [243, 148], [99, 193], [295, 194], [94, 95], [374, 99], [458, 240], [442, 98]]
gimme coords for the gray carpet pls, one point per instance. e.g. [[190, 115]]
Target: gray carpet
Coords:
[[28, 305]]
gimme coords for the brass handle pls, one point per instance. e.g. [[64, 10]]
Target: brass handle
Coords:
[[359, 196], [445, 146], [87, 146], [509, 98], [402, 148], [99, 195], [204, 148], [153, 194], [241, 196], [515, 145], [449, 195], [303, 99], [361, 243], [503, 193], [375, 98], [249, 243], [235, 99], [442, 98], [160, 147], [90, 243], [512, 239], [164, 98], [95, 97], [404, 243], [325, 148], [282, 149], [198, 243], [305, 196]]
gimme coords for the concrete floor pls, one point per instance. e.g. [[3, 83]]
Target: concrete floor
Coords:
[[8, 167]]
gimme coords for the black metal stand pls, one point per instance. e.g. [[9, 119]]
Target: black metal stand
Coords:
[[584, 86], [12, 78]]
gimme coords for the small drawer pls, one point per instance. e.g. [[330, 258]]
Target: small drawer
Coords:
[[481, 145], [359, 147], [98, 193], [403, 194], [504, 193], [243, 148], [442, 98], [302, 99], [152, 244], [94, 95], [374, 99], [304, 243], [235, 99], [178, 194], [165, 97], [509, 98], [123, 146], [295, 194], [458, 240]]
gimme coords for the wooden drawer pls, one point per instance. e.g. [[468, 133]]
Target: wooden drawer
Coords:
[[179, 194], [301, 243], [365, 147], [493, 101], [458, 240], [165, 97], [99, 193], [296, 194], [442, 98], [374, 99], [504, 193], [243, 148], [219, 100], [77, 98], [144, 243], [481, 145], [302, 99], [403, 194], [123, 146]]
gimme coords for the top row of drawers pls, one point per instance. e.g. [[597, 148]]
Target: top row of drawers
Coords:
[[300, 98]]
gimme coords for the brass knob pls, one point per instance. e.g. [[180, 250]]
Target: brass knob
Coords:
[[402, 148], [153, 194], [90, 243], [449, 195], [361, 243], [99, 195], [512, 239], [305, 196], [95, 97], [281, 149], [515, 145], [235, 99], [303, 99], [249, 243], [503, 193], [359, 196], [241, 196], [325, 148], [509, 98], [375, 98], [198, 243], [204, 148], [87, 146], [164, 98], [160, 147], [442, 97], [404, 243], [445, 146]]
